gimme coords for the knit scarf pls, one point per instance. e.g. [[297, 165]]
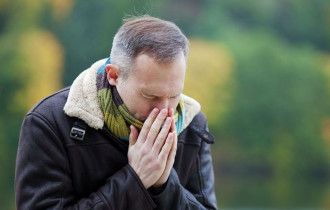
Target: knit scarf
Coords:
[[116, 115]]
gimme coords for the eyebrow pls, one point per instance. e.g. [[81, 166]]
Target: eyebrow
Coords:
[[154, 95]]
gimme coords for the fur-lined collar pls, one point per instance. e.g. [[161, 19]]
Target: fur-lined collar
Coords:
[[83, 102]]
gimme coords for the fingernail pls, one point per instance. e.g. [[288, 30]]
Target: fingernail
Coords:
[[154, 111], [164, 111]]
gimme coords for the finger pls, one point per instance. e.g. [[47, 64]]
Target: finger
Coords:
[[133, 135], [164, 153], [174, 146], [173, 130], [173, 126], [162, 135], [172, 154], [171, 112], [147, 124], [157, 124]]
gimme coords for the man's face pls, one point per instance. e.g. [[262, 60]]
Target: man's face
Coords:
[[152, 85]]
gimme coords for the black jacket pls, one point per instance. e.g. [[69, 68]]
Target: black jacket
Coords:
[[56, 171]]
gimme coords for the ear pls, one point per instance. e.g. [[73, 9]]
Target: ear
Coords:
[[112, 74]]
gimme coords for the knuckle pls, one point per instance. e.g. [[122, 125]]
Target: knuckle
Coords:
[[146, 127], [149, 158], [158, 165], [168, 142], [157, 143], [144, 151], [150, 135]]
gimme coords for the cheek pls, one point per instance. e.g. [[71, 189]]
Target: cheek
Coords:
[[143, 108]]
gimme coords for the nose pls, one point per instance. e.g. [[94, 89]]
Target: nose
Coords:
[[163, 104]]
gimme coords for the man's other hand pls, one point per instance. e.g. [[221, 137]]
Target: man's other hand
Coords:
[[171, 156], [150, 153]]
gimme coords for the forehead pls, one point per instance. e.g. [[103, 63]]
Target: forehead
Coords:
[[158, 77]]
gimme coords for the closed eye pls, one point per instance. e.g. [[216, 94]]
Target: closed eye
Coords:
[[174, 97], [148, 97], [151, 97]]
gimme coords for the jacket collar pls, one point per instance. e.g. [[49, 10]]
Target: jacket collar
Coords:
[[83, 103]]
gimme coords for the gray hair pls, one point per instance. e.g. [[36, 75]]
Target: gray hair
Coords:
[[161, 40]]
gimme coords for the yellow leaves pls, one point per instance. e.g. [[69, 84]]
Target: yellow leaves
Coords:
[[209, 68], [61, 8], [325, 129], [28, 13], [42, 65]]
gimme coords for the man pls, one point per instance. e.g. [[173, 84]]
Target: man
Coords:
[[123, 136]]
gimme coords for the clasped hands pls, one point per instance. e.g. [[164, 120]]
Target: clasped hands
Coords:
[[151, 152]]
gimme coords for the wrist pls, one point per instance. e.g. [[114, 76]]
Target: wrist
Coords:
[[157, 189]]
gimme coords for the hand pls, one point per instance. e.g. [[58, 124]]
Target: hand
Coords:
[[171, 156], [148, 151]]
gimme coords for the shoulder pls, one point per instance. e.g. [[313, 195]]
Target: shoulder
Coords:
[[200, 120], [48, 116], [197, 130], [51, 103], [49, 110]]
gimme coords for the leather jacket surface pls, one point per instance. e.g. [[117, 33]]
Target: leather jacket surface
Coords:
[[55, 170]]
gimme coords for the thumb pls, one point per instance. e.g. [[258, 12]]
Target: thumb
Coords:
[[133, 135]]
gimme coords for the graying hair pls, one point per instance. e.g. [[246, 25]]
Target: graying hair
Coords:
[[161, 40]]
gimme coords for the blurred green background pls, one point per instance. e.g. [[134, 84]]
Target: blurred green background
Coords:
[[260, 68]]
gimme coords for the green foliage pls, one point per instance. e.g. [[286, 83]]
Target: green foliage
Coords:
[[88, 33], [296, 22], [264, 82], [10, 116], [279, 104], [29, 69]]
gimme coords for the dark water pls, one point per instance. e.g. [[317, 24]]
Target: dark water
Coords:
[[246, 192]]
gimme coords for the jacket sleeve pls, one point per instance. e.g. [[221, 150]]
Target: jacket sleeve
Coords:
[[198, 193], [43, 181]]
